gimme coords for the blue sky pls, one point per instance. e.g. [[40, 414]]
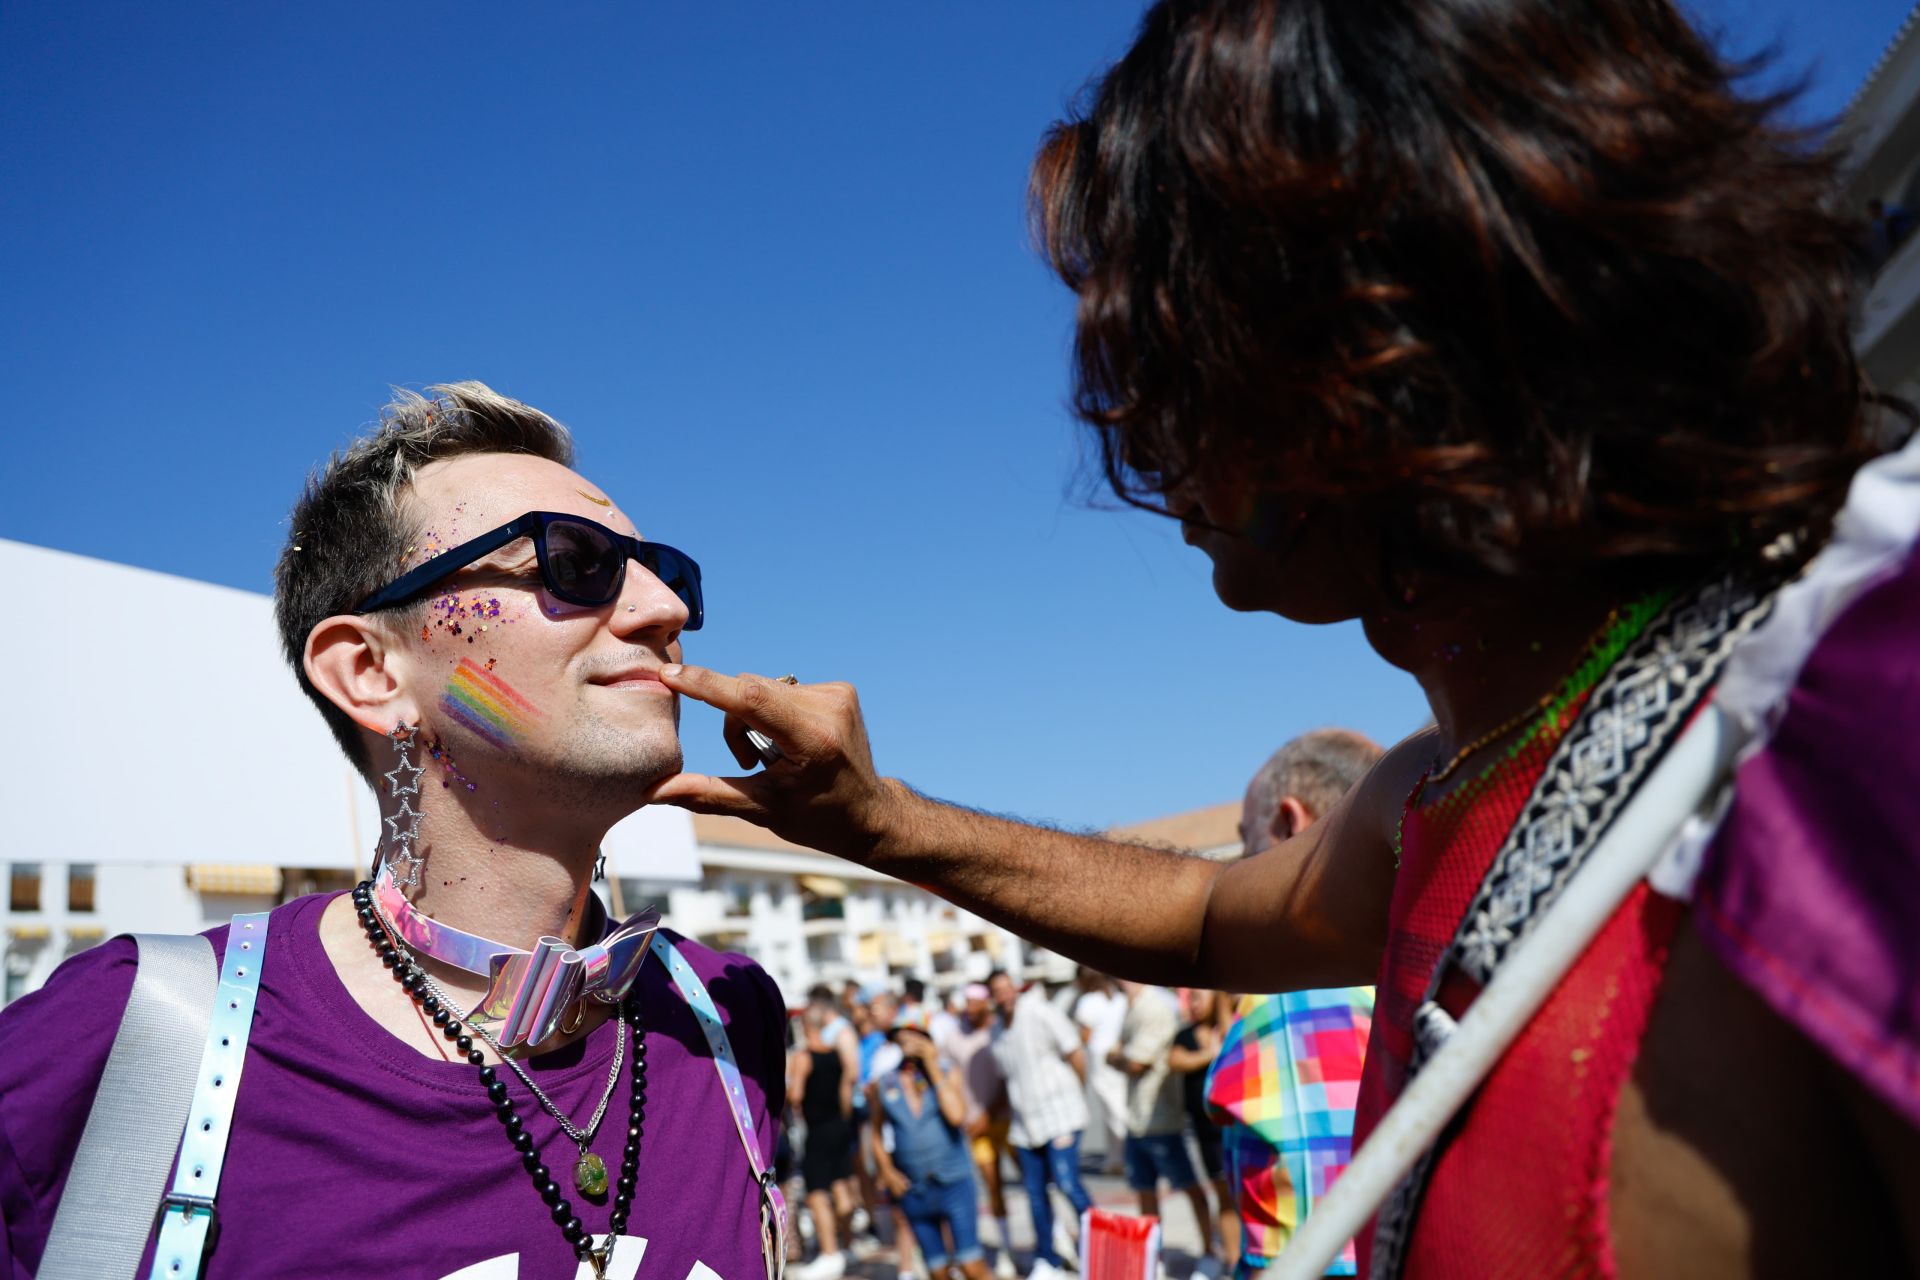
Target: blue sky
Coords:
[[768, 261]]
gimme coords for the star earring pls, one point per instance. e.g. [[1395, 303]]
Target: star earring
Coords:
[[403, 825]]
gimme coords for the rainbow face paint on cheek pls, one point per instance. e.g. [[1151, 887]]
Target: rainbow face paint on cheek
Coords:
[[487, 705]]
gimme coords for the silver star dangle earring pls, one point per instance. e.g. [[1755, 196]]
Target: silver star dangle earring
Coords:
[[403, 826]]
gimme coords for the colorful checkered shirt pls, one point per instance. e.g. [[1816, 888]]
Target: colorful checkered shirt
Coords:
[[1282, 1091]]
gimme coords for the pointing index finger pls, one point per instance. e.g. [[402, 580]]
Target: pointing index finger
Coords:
[[699, 683], [742, 696]]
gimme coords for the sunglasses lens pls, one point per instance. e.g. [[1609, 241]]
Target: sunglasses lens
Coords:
[[680, 575], [585, 566]]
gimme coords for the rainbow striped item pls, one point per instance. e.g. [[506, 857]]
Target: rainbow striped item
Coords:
[[1283, 1090], [487, 705]]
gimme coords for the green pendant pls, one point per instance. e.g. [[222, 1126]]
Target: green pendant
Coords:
[[590, 1175]]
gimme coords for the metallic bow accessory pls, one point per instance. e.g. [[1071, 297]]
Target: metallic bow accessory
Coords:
[[528, 992]]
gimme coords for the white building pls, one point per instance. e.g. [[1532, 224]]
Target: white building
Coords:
[[1880, 134], [166, 773]]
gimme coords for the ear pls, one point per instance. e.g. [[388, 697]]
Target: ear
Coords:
[[355, 666], [1291, 818]]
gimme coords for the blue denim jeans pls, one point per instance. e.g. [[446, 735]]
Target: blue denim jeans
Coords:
[[1157, 1156], [1059, 1164], [929, 1205]]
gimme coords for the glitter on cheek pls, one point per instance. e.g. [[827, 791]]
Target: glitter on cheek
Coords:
[[464, 617], [444, 758]]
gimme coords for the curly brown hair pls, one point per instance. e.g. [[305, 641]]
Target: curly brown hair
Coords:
[[1533, 280]]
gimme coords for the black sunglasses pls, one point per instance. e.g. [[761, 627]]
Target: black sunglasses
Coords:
[[581, 562]]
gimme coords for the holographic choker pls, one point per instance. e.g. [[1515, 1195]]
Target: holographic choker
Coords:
[[528, 992]]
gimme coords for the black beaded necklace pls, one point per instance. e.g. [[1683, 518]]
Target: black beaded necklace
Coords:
[[451, 1025]]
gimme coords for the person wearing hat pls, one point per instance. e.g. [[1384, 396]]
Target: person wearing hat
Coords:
[[928, 1170]]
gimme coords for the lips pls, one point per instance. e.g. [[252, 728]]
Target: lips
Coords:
[[636, 678]]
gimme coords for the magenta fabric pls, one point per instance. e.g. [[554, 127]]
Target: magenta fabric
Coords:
[[353, 1154], [1811, 890]]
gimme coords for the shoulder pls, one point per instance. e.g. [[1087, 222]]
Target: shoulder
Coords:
[[79, 1005], [54, 1044], [1380, 798], [81, 1002], [53, 1048]]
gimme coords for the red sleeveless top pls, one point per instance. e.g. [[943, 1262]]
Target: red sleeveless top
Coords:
[[1519, 1186]]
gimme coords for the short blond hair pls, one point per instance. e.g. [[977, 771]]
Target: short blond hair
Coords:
[[350, 530]]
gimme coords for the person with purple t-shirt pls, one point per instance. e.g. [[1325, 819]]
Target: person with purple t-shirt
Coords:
[[507, 695]]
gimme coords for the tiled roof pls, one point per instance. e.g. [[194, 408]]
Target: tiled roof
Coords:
[[1215, 827], [715, 828]]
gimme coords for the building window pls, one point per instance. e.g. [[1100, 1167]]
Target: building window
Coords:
[[823, 898], [18, 963], [822, 908], [80, 888], [298, 882], [23, 892], [641, 892]]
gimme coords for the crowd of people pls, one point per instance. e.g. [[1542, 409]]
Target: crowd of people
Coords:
[[908, 1110], [903, 1116]]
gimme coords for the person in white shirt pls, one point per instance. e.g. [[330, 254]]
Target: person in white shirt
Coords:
[[1045, 1067], [1099, 1010]]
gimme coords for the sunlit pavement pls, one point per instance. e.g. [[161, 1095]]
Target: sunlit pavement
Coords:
[[1180, 1234]]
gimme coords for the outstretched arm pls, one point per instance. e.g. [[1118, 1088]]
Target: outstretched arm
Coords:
[[1308, 912]]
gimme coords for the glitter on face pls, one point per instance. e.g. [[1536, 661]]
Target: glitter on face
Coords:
[[489, 706], [595, 498], [462, 617], [444, 758]]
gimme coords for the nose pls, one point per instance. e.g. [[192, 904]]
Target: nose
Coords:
[[646, 604]]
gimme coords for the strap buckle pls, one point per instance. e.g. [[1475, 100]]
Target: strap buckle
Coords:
[[189, 1204]]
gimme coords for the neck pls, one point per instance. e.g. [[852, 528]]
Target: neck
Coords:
[[514, 883], [1485, 653]]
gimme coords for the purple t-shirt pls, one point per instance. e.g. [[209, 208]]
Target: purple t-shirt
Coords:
[[1811, 891], [354, 1154]]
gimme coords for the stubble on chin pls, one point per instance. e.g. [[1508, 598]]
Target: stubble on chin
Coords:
[[619, 761]]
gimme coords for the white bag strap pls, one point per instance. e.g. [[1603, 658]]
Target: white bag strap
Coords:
[[139, 1110]]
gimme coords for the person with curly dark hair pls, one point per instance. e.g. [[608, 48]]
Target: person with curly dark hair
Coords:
[[1520, 333]]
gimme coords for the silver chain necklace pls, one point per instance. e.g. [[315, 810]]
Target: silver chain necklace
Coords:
[[590, 1170]]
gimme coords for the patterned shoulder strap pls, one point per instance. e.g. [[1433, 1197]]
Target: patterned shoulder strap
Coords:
[[773, 1207], [1633, 715]]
